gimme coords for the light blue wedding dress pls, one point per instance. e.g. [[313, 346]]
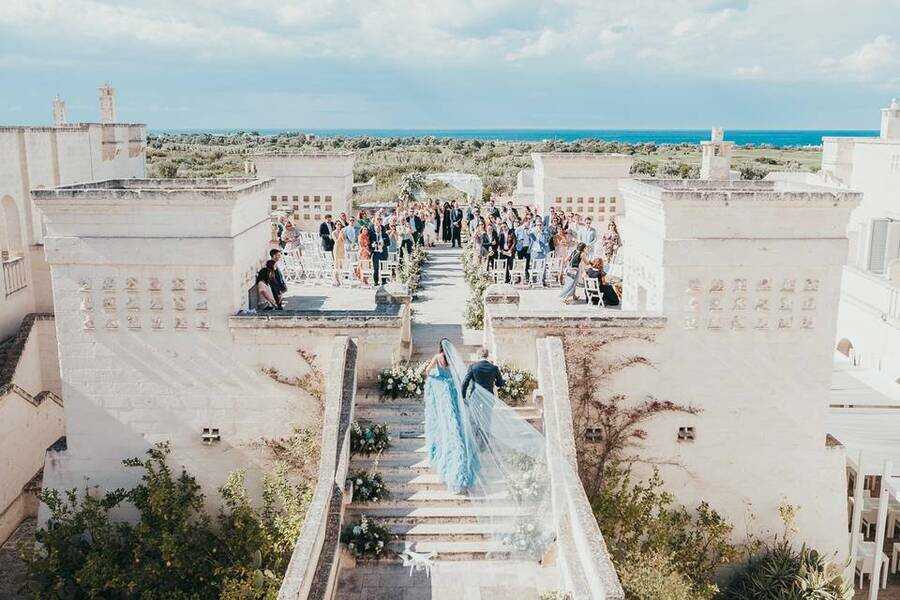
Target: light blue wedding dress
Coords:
[[450, 454]]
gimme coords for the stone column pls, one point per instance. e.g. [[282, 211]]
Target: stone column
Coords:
[[503, 297], [398, 294]]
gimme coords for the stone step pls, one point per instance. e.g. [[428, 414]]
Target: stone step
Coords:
[[426, 498], [470, 513], [449, 532], [452, 550], [413, 480], [383, 412], [414, 462]]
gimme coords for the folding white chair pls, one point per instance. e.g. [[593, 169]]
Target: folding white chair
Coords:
[[385, 271], [499, 272], [517, 273], [536, 273], [592, 290], [555, 271]]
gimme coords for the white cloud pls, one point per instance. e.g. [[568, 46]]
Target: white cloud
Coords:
[[732, 39], [869, 60]]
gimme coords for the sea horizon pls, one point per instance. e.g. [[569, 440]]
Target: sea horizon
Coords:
[[782, 138]]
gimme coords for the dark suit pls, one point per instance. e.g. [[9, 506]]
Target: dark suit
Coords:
[[456, 217], [379, 248], [484, 373], [279, 287], [418, 226], [326, 230]]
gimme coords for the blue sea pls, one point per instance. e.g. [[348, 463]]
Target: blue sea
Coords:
[[774, 137]]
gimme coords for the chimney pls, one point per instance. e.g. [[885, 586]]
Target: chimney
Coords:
[[107, 104], [60, 114], [716, 161]]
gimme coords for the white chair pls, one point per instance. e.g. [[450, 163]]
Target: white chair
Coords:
[[499, 272], [386, 271], [366, 274], [555, 271], [418, 561], [517, 273], [865, 561], [537, 271], [592, 290]]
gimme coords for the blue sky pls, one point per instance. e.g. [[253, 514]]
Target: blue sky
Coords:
[[741, 64]]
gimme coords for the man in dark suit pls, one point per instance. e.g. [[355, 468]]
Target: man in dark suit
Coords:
[[326, 234], [418, 227], [379, 241], [456, 217], [486, 375]]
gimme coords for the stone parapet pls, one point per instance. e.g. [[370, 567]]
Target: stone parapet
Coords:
[[586, 566], [313, 566]]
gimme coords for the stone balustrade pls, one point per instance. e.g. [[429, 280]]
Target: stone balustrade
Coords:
[[585, 564], [312, 570]]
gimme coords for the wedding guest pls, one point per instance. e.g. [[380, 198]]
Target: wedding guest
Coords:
[[611, 242], [290, 237], [265, 279], [493, 243], [326, 230], [365, 255], [278, 227], [339, 251], [561, 240], [573, 272], [608, 292], [507, 249], [380, 242], [431, 227], [446, 234], [523, 243], [588, 235], [456, 218]]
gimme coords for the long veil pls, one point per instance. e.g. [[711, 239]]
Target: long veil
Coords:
[[511, 488]]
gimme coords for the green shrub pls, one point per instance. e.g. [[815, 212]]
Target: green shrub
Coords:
[[174, 550], [781, 572], [653, 577]]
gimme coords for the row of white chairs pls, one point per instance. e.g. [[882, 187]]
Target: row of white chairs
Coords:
[[544, 272], [313, 266]]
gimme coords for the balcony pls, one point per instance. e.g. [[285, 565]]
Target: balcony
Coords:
[[15, 275]]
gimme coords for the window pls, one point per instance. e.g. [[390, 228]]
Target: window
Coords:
[[327, 198], [878, 245], [305, 199], [295, 199], [284, 199], [686, 434], [602, 199], [593, 435], [580, 200], [590, 209], [210, 435], [591, 199], [306, 216], [274, 198], [318, 199], [601, 209], [612, 209], [327, 207], [559, 199], [569, 200], [612, 199]]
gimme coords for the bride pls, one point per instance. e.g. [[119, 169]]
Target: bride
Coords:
[[450, 452]]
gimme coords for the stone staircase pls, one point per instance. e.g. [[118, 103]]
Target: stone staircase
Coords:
[[421, 512]]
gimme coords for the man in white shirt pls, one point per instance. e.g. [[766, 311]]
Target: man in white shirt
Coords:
[[588, 235]]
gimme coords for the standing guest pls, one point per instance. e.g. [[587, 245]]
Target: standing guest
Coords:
[[493, 245], [446, 234], [342, 220], [340, 251], [456, 218], [406, 239], [432, 227], [611, 242], [523, 243], [608, 292], [561, 241], [573, 272], [351, 232], [380, 242], [265, 279], [512, 209], [507, 248], [417, 225], [588, 235], [326, 231], [278, 228], [365, 255], [394, 239], [290, 237], [362, 220], [279, 287]]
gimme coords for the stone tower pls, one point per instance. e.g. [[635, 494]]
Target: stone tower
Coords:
[[60, 114], [890, 121], [107, 104], [716, 162]]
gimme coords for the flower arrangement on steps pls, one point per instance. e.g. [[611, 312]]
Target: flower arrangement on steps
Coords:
[[478, 282], [402, 381], [410, 273], [368, 487], [367, 538], [369, 439], [518, 386]]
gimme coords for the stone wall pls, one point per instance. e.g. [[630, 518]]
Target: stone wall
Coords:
[[31, 416]]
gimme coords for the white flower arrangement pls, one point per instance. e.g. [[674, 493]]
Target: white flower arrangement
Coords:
[[518, 385], [366, 539], [368, 487], [528, 538], [371, 439], [402, 381]]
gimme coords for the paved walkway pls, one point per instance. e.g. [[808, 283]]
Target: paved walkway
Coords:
[[12, 569]]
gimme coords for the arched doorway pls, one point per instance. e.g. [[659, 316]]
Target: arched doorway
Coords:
[[469, 184]]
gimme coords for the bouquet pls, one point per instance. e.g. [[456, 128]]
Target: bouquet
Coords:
[[518, 386], [371, 439], [368, 488], [366, 538], [402, 381]]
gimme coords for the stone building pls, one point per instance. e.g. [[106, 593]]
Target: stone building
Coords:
[[585, 183], [309, 185], [40, 157], [715, 161], [730, 294]]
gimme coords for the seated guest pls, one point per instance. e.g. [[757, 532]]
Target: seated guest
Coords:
[[595, 271], [265, 279], [279, 287], [573, 272]]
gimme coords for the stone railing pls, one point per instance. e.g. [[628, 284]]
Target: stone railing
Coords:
[[586, 568], [15, 276], [510, 332], [313, 567], [383, 335]]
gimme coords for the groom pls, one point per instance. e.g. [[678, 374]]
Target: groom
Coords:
[[485, 374]]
